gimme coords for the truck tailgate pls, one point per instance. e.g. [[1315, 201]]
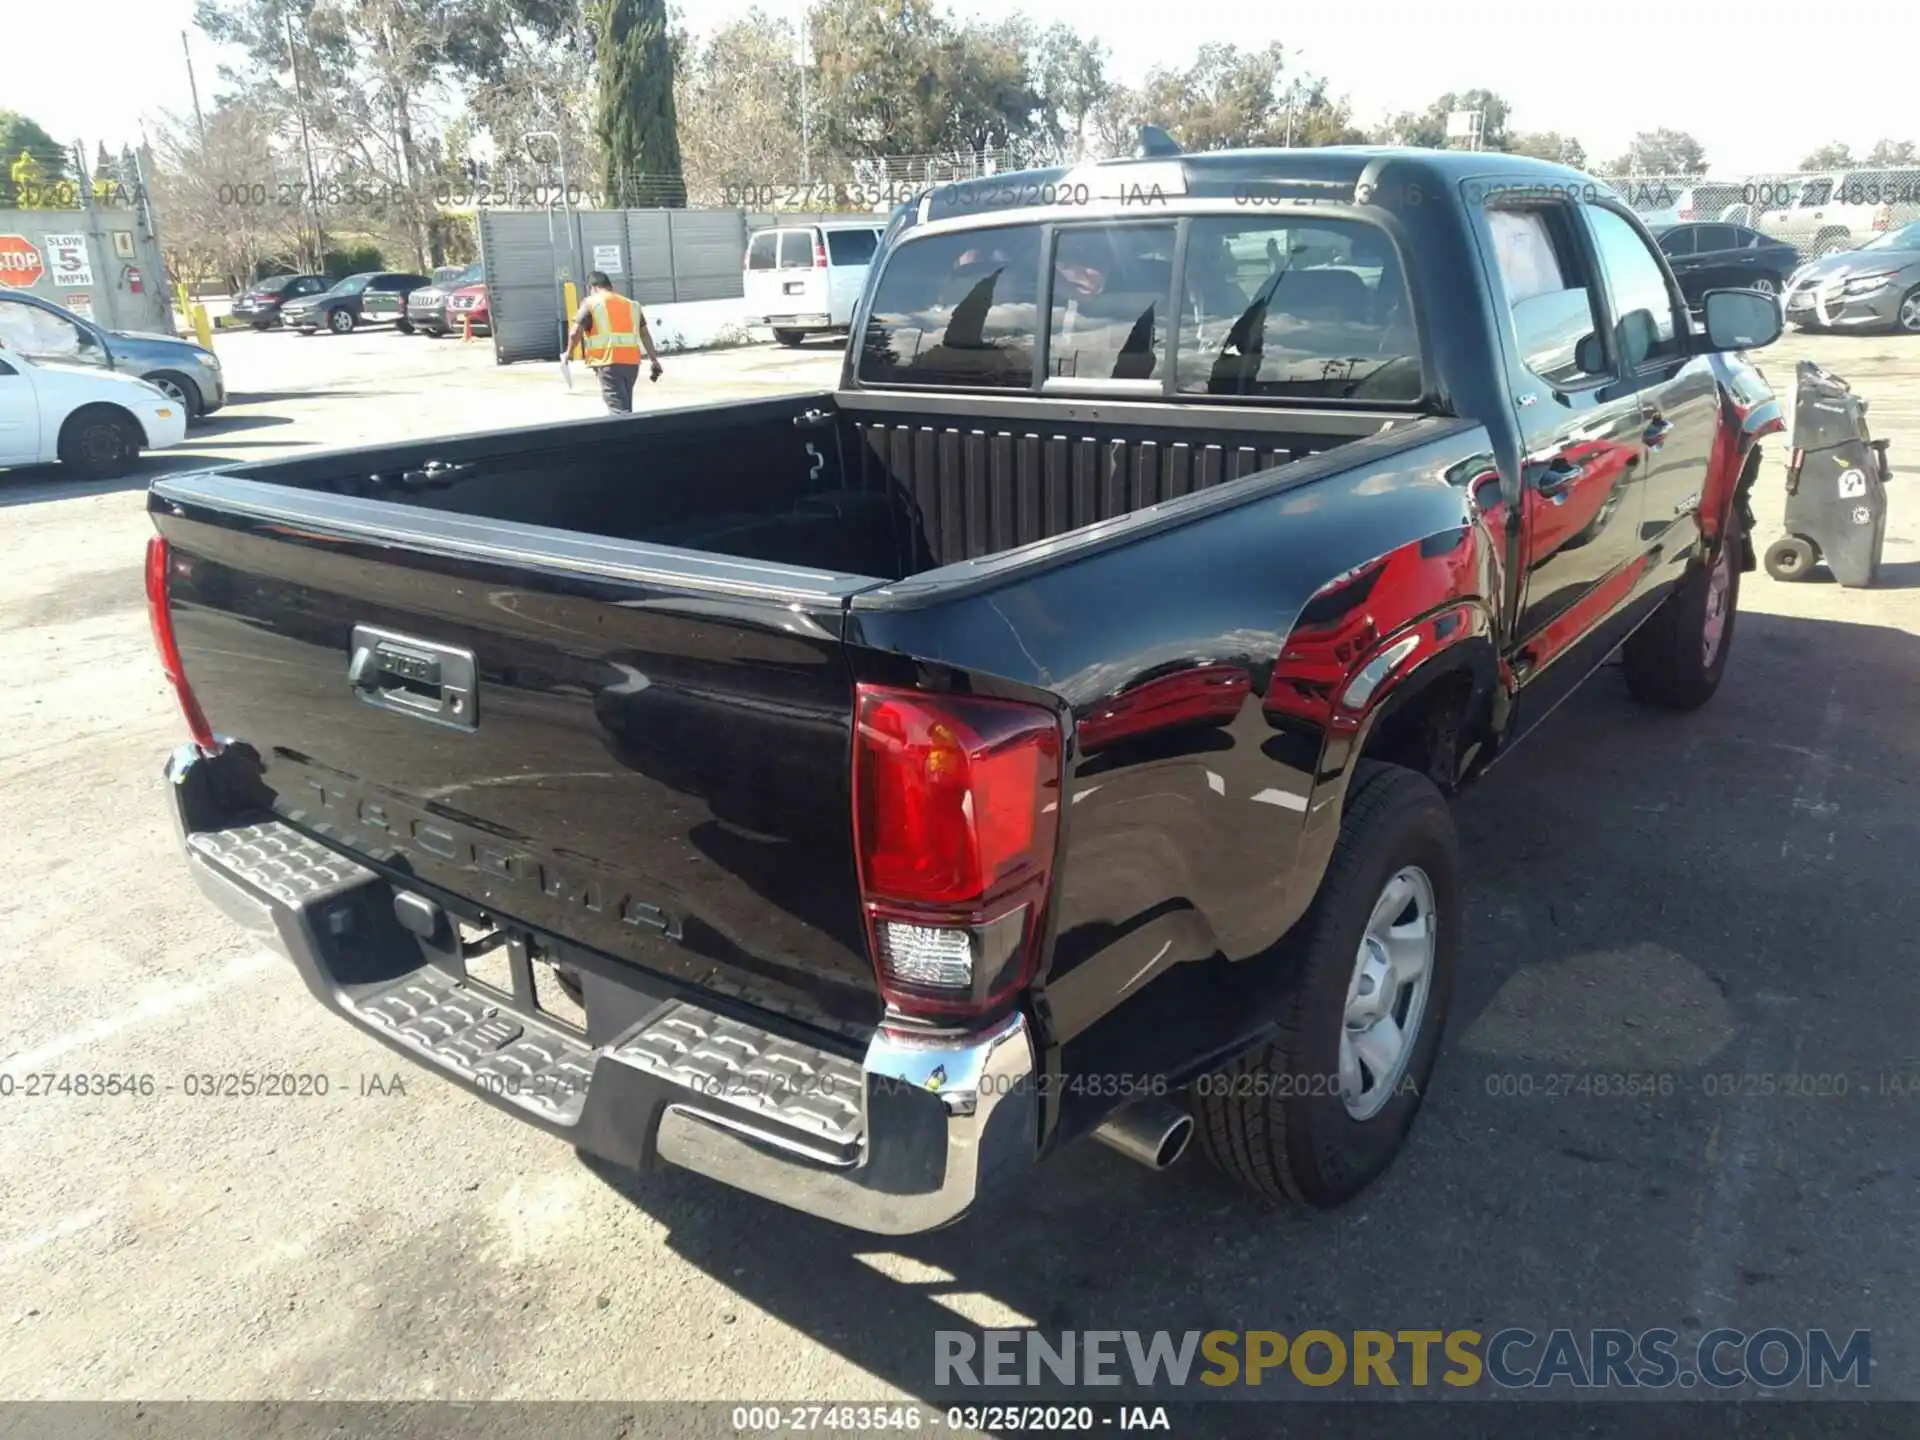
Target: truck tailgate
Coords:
[[638, 750]]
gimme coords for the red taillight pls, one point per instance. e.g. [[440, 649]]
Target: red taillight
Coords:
[[159, 562], [956, 809], [819, 254]]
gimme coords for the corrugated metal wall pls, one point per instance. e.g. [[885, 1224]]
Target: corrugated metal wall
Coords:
[[659, 257]]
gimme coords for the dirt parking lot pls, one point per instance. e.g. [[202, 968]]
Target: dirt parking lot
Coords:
[[1725, 899]]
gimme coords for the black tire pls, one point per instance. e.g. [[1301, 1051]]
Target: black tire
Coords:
[[1275, 1120], [403, 325], [438, 332], [1668, 661], [99, 442], [1791, 557], [340, 321], [180, 388], [790, 338]]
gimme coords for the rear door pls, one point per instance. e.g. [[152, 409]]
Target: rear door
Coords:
[[803, 284], [849, 259], [760, 283]]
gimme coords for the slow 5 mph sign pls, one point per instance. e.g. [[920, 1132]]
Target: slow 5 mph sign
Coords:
[[20, 264]]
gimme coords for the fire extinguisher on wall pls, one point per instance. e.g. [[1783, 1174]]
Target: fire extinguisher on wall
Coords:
[[130, 277]]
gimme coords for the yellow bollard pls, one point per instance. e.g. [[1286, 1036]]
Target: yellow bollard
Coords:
[[466, 329], [573, 308], [202, 327]]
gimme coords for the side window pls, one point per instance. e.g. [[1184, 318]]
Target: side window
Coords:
[[760, 251], [957, 309], [1550, 297], [1643, 310], [41, 335], [796, 250], [1109, 301], [7, 370], [1678, 242], [851, 247], [1715, 238], [1745, 239]]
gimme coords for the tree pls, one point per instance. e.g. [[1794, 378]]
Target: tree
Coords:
[[736, 99], [1071, 72], [878, 64], [22, 136], [1428, 128], [1833, 155], [984, 84], [1549, 145], [638, 127], [1661, 152], [1893, 152], [205, 192]]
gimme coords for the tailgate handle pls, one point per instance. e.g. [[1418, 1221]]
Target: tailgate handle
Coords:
[[414, 677]]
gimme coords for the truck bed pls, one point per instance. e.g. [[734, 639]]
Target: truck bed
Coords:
[[887, 488]]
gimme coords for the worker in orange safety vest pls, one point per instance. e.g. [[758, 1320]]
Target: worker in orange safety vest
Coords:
[[612, 329]]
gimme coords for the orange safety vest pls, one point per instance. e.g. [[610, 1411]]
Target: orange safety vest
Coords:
[[615, 337]]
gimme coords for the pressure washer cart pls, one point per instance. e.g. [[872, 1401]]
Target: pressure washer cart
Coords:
[[1836, 485]]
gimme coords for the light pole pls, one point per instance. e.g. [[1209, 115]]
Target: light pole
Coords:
[[803, 57], [1293, 93], [566, 210]]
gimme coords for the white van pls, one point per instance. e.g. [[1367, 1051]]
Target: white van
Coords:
[[805, 279]]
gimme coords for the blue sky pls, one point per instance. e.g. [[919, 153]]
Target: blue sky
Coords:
[[1599, 73]]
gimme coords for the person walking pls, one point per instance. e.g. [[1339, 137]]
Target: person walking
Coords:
[[611, 329]]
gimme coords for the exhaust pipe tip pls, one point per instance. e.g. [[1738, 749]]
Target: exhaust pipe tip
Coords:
[[1152, 1133]]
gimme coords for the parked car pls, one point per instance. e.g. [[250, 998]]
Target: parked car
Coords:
[[1722, 257], [443, 275], [370, 297], [93, 422], [1047, 733], [1875, 286], [1835, 212], [1661, 203], [52, 334], [259, 305], [467, 307], [804, 280], [427, 307]]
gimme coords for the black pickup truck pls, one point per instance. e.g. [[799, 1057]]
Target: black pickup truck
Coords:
[[857, 796]]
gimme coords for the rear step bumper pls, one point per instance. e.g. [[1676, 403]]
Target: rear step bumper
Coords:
[[905, 1141]]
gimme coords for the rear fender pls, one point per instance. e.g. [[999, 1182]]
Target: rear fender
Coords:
[[1748, 410]]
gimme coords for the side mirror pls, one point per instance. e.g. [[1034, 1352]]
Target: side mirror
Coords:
[[1739, 320]]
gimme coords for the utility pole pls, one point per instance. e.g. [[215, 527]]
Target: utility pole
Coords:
[[804, 58], [199, 120], [306, 146]]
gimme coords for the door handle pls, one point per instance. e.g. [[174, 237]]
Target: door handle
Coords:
[[1655, 435], [1559, 476]]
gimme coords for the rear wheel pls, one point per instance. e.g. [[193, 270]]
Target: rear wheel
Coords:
[[340, 321], [1321, 1111], [99, 442], [1676, 659], [790, 337], [403, 325], [1767, 285]]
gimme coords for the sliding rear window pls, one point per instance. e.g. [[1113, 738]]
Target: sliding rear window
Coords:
[[1277, 305]]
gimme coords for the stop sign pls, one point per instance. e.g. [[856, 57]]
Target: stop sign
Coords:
[[20, 263]]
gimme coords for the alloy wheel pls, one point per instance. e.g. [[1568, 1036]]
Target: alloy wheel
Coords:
[[1387, 996]]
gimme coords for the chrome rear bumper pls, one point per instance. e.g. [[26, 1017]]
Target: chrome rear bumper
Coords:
[[905, 1140]]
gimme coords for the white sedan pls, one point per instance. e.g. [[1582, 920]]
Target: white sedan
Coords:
[[94, 422]]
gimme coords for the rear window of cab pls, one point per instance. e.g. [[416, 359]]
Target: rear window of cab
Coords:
[[1271, 305]]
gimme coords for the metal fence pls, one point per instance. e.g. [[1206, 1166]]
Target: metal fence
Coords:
[[655, 256]]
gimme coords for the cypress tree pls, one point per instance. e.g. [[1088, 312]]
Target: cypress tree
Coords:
[[639, 133]]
